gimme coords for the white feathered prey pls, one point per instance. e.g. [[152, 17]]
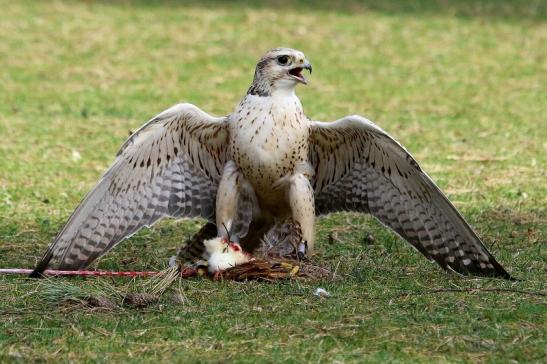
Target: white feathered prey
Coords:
[[222, 254], [264, 163]]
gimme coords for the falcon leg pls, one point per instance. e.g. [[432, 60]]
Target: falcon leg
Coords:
[[235, 204], [302, 204]]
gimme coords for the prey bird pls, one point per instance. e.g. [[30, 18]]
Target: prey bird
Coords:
[[265, 163]]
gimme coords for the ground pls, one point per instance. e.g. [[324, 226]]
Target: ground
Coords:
[[460, 83]]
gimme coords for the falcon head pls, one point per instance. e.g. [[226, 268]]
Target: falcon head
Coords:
[[279, 69]]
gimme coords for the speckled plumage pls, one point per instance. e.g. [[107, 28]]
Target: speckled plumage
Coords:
[[263, 164]]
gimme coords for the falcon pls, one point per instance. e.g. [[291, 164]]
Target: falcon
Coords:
[[263, 164]]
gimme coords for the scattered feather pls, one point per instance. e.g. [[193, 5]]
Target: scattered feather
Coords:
[[76, 156], [321, 293]]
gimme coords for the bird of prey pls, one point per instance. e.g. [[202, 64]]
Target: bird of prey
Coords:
[[264, 163]]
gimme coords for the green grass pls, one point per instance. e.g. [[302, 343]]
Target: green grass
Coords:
[[461, 84]]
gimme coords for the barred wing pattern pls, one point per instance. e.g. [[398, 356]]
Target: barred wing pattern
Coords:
[[171, 166], [359, 167]]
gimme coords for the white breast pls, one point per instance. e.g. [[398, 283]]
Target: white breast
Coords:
[[269, 137]]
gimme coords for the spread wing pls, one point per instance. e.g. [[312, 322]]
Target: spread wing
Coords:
[[171, 166], [359, 167]]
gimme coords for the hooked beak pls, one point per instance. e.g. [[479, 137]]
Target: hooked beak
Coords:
[[296, 72]]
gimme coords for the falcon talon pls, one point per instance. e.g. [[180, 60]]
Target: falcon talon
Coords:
[[263, 163], [301, 256], [302, 249]]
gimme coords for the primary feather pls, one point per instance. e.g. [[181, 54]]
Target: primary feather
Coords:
[[361, 168], [169, 167]]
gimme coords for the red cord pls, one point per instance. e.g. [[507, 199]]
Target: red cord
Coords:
[[84, 273]]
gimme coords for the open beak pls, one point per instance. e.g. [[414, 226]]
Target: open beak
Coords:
[[296, 72]]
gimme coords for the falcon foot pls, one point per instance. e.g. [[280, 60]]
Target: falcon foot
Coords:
[[301, 251]]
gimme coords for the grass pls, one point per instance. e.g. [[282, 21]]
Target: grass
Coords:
[[461, 84]]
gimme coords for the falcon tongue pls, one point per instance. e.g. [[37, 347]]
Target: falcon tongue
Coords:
[[297, 73]]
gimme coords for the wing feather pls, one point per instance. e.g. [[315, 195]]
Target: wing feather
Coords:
[[359, 167], [169, 167]]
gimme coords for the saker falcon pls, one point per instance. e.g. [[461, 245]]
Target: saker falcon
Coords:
[[264, 163]]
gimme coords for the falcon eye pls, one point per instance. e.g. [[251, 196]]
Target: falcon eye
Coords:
[[283, 60]]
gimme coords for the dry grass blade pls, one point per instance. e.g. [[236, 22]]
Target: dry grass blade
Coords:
[[94, 293], [160, 282], [99, 292]]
